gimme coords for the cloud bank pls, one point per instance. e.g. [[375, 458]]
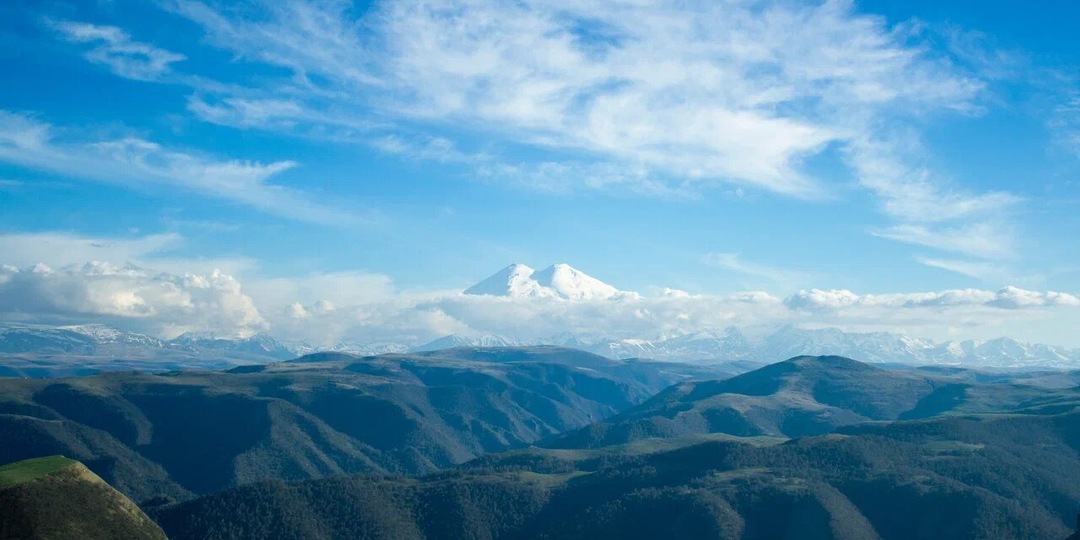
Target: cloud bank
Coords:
[[356, 307]]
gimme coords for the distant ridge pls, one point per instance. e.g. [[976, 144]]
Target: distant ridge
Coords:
[[799, 397]]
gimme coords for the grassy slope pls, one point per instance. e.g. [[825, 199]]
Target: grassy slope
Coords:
[[30, 469], [58, 498]]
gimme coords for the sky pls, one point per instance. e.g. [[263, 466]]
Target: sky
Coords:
[[333, 170]]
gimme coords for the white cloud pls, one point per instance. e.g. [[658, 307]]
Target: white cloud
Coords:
[[779, 277], [235, 111], [128, 296], [1006, 298], [327, 308], [738, 92], [926, 212], [325, 289], [60, 249], [985, 240], [650, 97], [28, 142], [63, 249], [978, 270], [656, 98], [114, 48], [1066, 120]]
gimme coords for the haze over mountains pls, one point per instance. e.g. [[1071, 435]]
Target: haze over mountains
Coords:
[[53, 351], [42, 351]]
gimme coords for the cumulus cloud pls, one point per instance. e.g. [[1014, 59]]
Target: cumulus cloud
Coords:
[[1007, 298], [418, 318], [326, 309], [132, 297]]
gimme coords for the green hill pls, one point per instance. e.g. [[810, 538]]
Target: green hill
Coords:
[[59, 498], [806, 395], [1000, 477], [169, 436]]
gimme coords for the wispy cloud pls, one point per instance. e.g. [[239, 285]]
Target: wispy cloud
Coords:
[[978, 270], [28, 142], [428, 148], [650, 98], [114, 48], [1066, 122], [985, 240], [777, 277], [704, 92], [64, 249], [928, 211]]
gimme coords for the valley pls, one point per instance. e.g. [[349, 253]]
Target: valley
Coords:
[[547, 442]]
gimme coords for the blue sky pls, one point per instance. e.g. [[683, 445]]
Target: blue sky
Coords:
[[383, 156]]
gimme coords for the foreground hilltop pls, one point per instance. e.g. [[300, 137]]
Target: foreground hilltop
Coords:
[[57, 498]]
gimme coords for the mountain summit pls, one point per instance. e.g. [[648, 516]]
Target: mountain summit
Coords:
[[556, 281]]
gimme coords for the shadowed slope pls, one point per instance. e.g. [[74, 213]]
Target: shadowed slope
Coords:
[[1006, 477], [172, 435], [806, 395]]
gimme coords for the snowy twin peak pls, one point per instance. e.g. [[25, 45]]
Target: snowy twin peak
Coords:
[[560, 281]]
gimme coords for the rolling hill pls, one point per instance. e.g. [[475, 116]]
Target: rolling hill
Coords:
[[169, 436], [997, 477], [806, 395], [56, 498]]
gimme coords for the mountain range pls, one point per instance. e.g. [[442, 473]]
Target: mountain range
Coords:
[[48, 351], [788, 341], [811, 447], [176, 434], [547, 442], [56, 351], [54, 497], [43, 351]]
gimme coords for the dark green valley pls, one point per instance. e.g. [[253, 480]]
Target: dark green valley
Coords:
[[543, 442]]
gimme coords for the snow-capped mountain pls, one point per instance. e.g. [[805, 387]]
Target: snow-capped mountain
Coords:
[[454, 340], [556, 281], [76, 340], [301, 348], [100, 347], [732, 344], [100, 340], [258, 345], [102, 334]]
